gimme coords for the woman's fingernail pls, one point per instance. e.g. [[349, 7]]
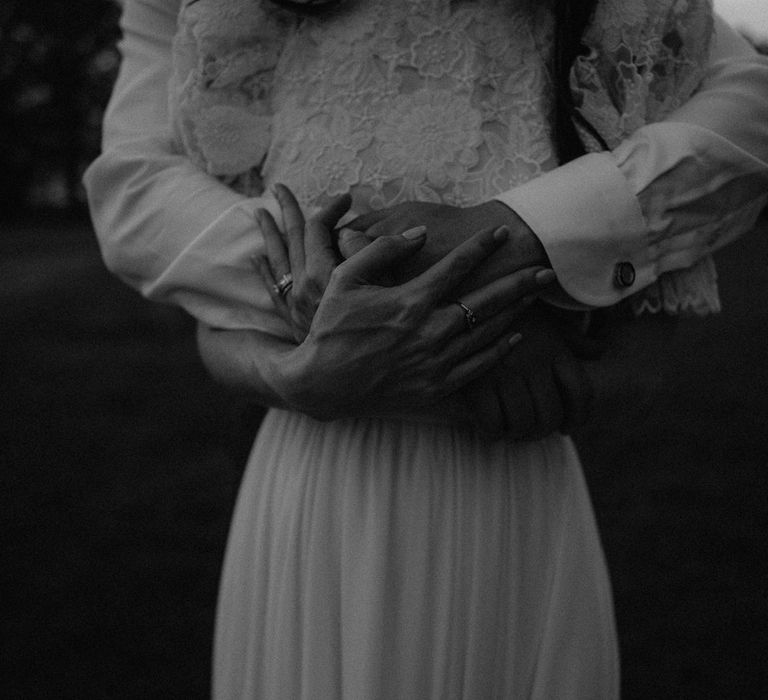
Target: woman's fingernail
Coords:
[[345, 233], [344, 220], [515, 339], [501, 234], [415, 232], [545, 277]]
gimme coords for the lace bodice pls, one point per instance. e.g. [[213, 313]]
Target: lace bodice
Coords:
[[409, 99], [434, 100]]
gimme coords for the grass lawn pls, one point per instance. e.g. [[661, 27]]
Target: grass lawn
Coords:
[[120, 462]]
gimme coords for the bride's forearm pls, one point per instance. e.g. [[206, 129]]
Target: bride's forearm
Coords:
[[240, 360], [244, 361]]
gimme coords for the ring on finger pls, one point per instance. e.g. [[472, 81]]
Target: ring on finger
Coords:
[[284, 284], [470, 318]]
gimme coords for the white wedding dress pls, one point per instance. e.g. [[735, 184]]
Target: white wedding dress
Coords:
[[371, 558], [380, 559], [374, 559]]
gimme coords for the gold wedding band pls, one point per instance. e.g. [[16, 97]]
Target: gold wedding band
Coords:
[[470, 318]]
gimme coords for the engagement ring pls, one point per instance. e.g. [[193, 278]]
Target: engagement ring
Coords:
[[284, 284]]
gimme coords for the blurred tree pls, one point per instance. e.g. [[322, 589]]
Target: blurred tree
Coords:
[[57, 63]]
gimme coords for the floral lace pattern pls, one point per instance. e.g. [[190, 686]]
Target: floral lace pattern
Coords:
[[409, 99], [645, 58], [435, 100]]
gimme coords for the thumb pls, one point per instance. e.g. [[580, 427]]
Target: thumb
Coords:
[[351, 242], [375, 258], [335, 210], [365, 221]]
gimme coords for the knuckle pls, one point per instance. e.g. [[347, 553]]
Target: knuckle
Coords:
[[315, 280], [299, 288], [337, 276], [305, 291], [407, 313], [422, 339], [300, 309], [463, 263], [388, 243]]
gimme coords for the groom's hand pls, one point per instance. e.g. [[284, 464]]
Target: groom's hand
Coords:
[[448, 227], [539, 388], [633, 371]]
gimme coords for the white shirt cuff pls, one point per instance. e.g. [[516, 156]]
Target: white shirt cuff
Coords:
[[591, 226]]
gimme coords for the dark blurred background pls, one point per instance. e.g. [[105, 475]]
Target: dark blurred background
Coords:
[[57, 64], [120, 458]]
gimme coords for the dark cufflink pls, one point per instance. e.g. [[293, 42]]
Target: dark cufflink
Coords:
[[624, 275]]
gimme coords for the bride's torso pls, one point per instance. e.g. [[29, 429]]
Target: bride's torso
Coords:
[[429, 100], [432, 100]]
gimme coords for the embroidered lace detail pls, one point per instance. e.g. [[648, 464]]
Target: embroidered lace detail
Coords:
[[645, 58], [689, 291], [436, 100], [409, 99], [225, 53]]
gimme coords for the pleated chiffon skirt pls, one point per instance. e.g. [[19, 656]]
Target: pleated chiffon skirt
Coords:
[[379, 559]]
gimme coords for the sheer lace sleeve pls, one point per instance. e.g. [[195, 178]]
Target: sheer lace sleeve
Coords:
[[645, 58], [650, 61]]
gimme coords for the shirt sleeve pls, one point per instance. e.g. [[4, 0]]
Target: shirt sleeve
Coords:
[[669, 195], [165, 227]]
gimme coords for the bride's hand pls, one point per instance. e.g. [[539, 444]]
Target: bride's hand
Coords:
[[561, 379], [373, 349], [307, 263], [540, 388]]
